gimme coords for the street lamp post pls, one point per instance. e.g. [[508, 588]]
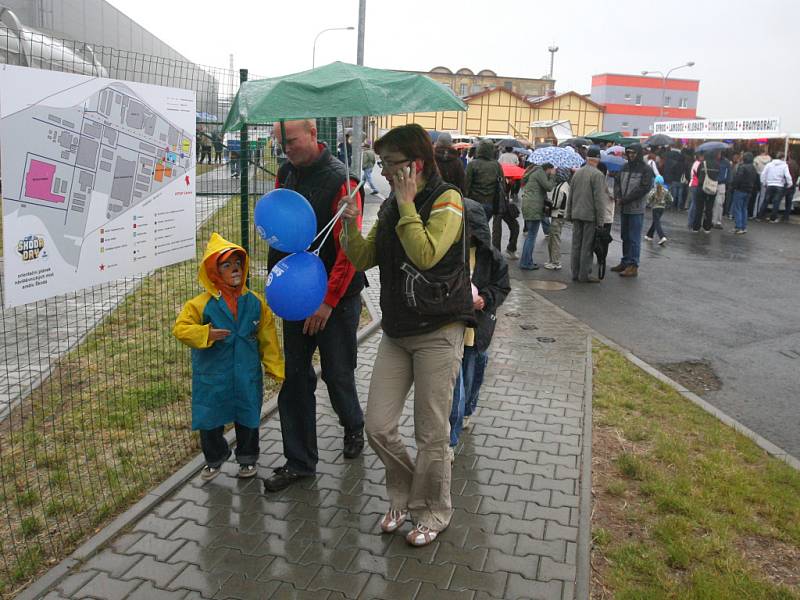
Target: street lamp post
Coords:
[[552, 50], [314, 51], [664, 80]]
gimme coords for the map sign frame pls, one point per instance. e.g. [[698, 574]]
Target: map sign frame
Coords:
[[98, 180]]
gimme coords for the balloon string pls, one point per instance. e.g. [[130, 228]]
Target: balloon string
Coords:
[[331, 224]]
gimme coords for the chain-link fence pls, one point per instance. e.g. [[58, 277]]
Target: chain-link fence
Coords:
[[94, 390]]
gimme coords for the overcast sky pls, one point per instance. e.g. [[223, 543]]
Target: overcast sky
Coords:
[[745, 58]]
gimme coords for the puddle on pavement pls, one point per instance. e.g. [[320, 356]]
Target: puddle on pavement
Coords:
[[548, 286]]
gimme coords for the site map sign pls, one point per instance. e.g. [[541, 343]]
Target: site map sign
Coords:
[[97, 179]]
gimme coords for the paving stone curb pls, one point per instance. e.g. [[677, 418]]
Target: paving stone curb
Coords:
[[763, 443], [584, 550], [93, 545]]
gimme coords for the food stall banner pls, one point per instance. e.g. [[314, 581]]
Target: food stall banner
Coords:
[[721, 129]]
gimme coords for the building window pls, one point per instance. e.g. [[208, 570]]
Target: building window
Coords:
[[667, 100], [627, 97], [683, 103], [463, 90], [509, 85], [635, 131], [638, 99]]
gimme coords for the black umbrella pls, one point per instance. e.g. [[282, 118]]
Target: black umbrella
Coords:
[[602, 240], [576, 141], [510, 143], [659, 139], [712, 147]]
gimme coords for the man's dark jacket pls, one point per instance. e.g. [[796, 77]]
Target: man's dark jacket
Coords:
[[490, 275], [634, 182], [320, 184], [484, 176]]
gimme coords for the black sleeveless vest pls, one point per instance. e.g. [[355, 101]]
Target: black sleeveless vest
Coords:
[[398, 319], [319, 183]]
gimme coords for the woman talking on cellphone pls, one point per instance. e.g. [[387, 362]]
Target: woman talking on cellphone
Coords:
[[420, 246]]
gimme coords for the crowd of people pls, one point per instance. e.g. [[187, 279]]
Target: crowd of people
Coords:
[[709, 186], [442, 278]]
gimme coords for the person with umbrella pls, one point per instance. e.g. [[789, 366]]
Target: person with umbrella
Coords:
[[631, 187], [707, 182], [586, 209]]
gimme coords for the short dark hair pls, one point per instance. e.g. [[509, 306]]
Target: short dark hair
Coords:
[[413, 141], [546, 166]]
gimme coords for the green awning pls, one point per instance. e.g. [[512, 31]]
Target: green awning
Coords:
[[614, 137], [338, 90]]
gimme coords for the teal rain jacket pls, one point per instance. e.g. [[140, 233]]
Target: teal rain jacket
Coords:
[[227, 380]]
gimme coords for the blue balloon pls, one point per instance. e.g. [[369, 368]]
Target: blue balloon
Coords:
[[296, 286], [286, 220]]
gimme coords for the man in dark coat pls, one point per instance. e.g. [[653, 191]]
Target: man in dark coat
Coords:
[[313, 172], [447, 159], [491, 286], [631, 187], [484, 178], [586, 209]]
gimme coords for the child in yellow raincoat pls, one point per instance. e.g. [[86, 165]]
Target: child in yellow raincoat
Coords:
[[231, 332]]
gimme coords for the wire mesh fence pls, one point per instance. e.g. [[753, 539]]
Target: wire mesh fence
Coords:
[[94, 390]]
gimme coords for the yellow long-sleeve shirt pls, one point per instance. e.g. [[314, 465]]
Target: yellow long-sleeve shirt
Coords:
[[425, 244]]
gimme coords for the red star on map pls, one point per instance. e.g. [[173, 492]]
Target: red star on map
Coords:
[[102, 267]]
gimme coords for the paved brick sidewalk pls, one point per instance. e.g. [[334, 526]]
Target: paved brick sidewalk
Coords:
[[515, 488]]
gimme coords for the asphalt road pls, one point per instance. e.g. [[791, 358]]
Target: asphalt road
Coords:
[[731, 300]]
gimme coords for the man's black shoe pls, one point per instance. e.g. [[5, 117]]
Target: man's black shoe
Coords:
[[353, 444], [282, 478]]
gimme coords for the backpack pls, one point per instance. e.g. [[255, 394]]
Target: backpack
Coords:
[[709, 185]]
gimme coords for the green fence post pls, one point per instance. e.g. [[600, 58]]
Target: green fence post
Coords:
[[244, 175]]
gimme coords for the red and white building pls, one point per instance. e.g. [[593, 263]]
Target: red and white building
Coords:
[[634, 102]]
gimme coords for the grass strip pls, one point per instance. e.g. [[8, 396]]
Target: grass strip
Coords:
[[684, 507]]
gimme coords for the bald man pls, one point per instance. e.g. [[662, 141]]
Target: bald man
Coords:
[[312, 171]]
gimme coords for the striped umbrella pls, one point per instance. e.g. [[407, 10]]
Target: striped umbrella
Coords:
[[562, 158]]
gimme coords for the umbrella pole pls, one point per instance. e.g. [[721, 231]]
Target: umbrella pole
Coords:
[[344, 151]]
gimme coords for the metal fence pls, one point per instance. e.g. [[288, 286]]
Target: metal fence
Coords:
[[94, 390]]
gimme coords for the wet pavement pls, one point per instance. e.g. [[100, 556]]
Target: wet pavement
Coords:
[[516, 485], [731, 300]]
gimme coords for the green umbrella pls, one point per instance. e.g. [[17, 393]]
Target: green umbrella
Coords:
[[337, 90]]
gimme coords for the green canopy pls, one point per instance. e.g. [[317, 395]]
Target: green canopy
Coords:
[[337, 90], [615, 137]]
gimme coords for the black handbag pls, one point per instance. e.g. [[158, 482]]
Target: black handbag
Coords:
[[431, 294]]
